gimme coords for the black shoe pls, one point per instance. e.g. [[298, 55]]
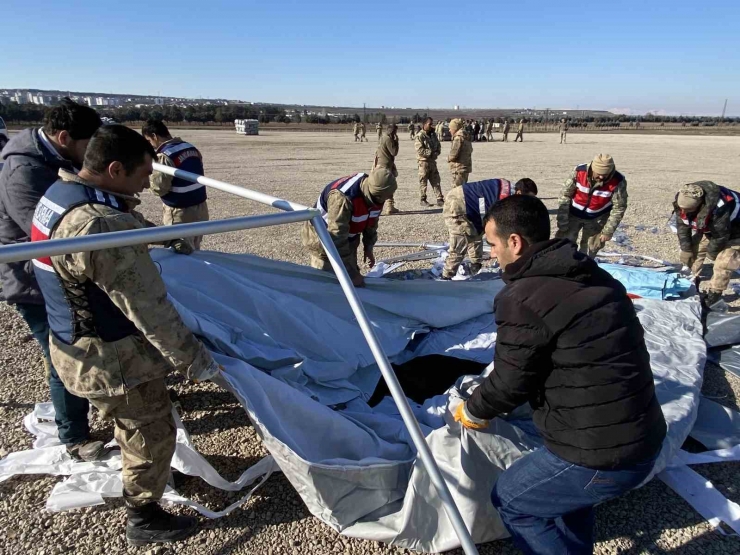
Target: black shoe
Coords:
[[87, 451], [712, 298], [440, 202], [424, 203], [151, 524]]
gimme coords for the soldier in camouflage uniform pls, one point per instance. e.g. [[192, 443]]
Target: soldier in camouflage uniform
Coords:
[[412, 130], [593, 201], [379, 130], [464, 210], [489, 130], [363, 132], [356, 131], [428, 149], [520, 132], [563, 128], [122, 335], [385, 157], [708, 229], [461, 154], [178, 207], [507, 126], [350, 221]]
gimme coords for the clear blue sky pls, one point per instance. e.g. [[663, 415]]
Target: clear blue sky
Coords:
[[676, 56]]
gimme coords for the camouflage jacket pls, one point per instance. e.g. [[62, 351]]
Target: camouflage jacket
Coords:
[[461, 153], [92, 367], [385, 155], [161, 183], [427, 146], [715, 223], [563, 127], [619, 204], [356, 129], [339, 216]]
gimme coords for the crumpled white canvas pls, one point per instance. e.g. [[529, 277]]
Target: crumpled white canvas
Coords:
[[297, 361]]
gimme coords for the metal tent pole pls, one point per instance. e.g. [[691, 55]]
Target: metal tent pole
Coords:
[[53, 247], [453, 513]]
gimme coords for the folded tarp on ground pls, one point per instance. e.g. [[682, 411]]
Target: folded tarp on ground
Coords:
[[649, 284], [294, 356]]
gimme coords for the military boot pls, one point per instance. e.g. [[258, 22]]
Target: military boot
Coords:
[[475, 268], [390, 208], [150, 523], [440, 202], [87, 451], [424, 203], [712, 298]]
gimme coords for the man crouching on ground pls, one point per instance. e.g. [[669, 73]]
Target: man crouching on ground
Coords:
[[569, 343]]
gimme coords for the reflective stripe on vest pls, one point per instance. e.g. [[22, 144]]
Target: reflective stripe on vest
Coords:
[[93, 313], [186, 157], [588, 202], [362, 214], [726, 196], [480, 196]]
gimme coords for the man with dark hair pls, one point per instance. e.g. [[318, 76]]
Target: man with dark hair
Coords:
[[463, 212], [428, 149], [183, 202], [32, 160], [114, 334], [568, 342]]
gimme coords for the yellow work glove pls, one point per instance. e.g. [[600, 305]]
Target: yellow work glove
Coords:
[[468, 420]]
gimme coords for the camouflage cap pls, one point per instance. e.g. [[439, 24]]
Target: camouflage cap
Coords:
[[690, 196], [380, 182]]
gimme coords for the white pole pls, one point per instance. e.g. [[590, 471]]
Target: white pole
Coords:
[[395, 389], [229, 188], [99, 241]]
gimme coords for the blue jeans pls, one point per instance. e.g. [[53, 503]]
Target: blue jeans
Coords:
[[547, 503], [71, 411]]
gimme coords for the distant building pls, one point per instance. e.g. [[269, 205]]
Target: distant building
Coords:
[[456, 107]]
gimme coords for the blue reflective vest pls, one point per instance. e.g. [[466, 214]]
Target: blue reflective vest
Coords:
[[481, 195], [75, 309], [186, 157]]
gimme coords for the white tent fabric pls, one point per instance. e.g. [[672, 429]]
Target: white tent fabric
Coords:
[[296, 359]]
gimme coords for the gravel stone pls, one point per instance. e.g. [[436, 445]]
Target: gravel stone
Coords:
[[297, 166]]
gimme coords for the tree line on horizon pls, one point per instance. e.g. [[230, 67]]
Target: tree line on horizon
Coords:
[[212, 113]]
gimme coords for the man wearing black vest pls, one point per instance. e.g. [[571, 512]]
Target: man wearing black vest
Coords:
[[570, 344], [184, 202], [115, 335], [463, 211]]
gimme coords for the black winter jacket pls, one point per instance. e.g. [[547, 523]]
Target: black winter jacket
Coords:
[[29, 169], [570, 343], [716, 223]]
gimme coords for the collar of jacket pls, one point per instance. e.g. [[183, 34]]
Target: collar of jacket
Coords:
[[554, 258], [44, 140], [173, 140], [463, 134], [131, 202]]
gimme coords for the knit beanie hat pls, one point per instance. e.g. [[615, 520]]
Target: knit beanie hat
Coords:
[[603, 164], [690, 196]]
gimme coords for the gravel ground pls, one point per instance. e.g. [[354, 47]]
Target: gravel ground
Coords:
[[296, 166]]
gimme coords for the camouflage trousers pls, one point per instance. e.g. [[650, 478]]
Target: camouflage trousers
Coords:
[[428, 172], [357, 137], [321, 262], [191, 214], [459, 178], [463, 238], [145, 431], [590, 231], [726, 263], [563, 137], [506, 137], [519, 136]]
